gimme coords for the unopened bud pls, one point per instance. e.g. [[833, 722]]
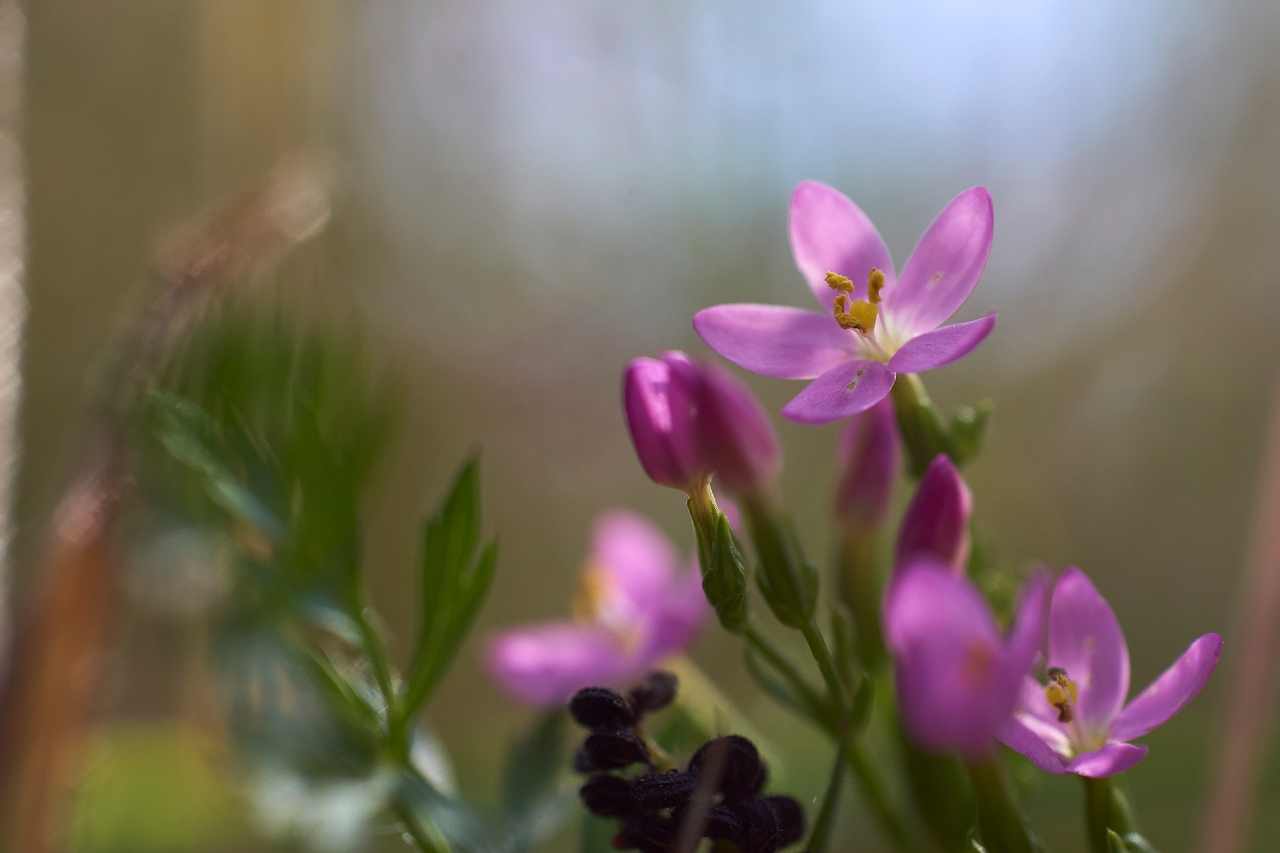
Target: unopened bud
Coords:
[[870, 461], [736, 437], [787, 580], [664, 790], [656, 691], [608, 796], [659, 410], [601, 709], [937, 520], [741, 772]]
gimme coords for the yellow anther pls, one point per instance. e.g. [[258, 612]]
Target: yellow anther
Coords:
[[875, 283], [593, 587], [839, 282], [1062, 693], [859, 315]]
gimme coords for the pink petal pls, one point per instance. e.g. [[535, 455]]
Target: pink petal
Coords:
[[1111, 759], [545, 664], [945, 265], [1014, 734], [1171, 692], [634, 555], [1085, 640], [775, 340], [945, 644], [869, 458], [679, 615], [1026, 636], [844, 390], [829, 233], [941, 346], [738, 439]]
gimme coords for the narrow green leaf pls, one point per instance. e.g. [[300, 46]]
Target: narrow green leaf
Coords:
[[1114, 843], [535, 797], [1138, 844]]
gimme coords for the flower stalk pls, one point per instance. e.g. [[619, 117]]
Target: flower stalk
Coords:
[[1000, 824], [1106, 807]]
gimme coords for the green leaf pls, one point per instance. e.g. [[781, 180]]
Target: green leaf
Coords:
[[454, 824], [1138, 844], [973, 843], [1114, 843], [455, 582], [192, 438], [536, 794]]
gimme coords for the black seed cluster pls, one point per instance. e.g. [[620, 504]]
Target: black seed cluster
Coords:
[[655, 807]]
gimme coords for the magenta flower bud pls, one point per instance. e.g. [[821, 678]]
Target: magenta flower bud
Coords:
[[736, 437], [870, 459], [659, 407], [937, 520], [958, 678]]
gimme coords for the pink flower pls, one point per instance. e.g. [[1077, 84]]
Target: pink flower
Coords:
[[873, 326], [937, 519], [870, 460], [690, 420], [1079, 723], [957, 678], [634, 608]]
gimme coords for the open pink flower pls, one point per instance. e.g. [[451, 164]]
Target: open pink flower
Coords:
[[1079, 723], [957, 677], [635, 607], [874, 325]]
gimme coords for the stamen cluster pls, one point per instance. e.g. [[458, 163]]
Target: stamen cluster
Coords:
[[716, 796]]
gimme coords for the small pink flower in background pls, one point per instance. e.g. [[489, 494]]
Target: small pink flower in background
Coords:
[[873, 325], [937, 519], [1079, 723], [689, 420], [869, 457], [957, 677], [636, 606]]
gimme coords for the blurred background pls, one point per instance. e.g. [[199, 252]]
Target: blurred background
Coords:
[[525, 196]]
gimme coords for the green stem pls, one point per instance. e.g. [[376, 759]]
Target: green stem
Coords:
[[822, 827], [1106, 807], [923, 432], [859, 589], [873, 789], [826, 665], [999, 822]]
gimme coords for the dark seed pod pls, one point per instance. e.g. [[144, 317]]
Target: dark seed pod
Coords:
[[611, 751], [656, 691], [649, 833], [742, 773], [790, 817], [608, 796], [601, 709], [761, 830], [722, 825], [664, 790]]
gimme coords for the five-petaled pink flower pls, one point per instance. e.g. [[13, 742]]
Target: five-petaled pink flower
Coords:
[[875, 325], [635, 607], [1079, 722]]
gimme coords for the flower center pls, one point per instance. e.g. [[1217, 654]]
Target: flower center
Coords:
[[594, 602], [856, 314]]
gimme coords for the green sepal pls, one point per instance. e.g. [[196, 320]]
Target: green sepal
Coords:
[[1136, 843], [725, 584], [787, 580], [967, 431], [1114, 842]]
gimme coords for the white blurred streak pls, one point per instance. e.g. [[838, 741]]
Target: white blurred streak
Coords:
[[13, 306]]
